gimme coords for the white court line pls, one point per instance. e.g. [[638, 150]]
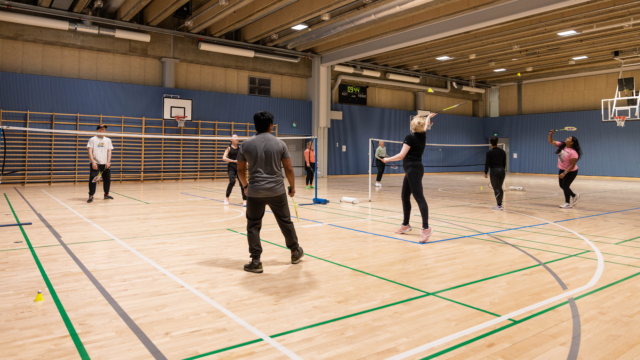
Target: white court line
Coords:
[[204, 297], [471, 330]]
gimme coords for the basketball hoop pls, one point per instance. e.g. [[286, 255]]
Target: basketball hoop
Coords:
[[620, 120], [181, 120]]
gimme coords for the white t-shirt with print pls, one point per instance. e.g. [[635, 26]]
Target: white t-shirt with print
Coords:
[[100, 149]]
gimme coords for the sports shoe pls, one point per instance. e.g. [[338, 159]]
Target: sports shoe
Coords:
[[296, 256], [307, 187], [499, 207], [403, 229], [426, 233], [311, 187], [226, 201], [244, 203], [575, 200], [565, 206], [108, 197], [90, 199], [254, 267]]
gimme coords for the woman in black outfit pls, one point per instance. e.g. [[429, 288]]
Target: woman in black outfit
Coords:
[[411, 154], [230, 156], [497, 161]]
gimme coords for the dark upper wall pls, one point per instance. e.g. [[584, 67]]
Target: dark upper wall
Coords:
[[62, 95]]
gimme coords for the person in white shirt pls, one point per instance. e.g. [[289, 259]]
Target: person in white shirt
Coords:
[[100, 148]]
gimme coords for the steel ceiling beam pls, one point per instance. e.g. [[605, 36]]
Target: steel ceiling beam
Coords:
[[490, 16]]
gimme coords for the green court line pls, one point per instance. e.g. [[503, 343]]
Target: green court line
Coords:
[[635, 238], [43, 246], [480, 337], [224, 349], [65, 317], [426, 294], [469, 306], [131, 198]]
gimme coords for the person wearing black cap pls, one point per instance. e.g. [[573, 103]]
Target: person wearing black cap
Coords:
[[100, 148]]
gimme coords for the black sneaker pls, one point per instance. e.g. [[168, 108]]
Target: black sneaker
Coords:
[[108, 197], [254, 267], [90, 199], [296, 256]]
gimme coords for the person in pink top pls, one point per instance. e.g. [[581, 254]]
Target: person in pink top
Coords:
[[309, 164], [569, 153]]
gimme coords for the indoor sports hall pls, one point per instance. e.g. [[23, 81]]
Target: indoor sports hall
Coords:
[[319, 179]]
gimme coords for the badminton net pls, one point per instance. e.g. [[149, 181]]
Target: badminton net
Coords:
[[41, 155]]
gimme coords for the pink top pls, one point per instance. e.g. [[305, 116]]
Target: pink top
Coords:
[[565, 156], [309, 156]]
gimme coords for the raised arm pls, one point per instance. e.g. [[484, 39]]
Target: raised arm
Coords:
[[426, 123], [551, 137], [400, 156]]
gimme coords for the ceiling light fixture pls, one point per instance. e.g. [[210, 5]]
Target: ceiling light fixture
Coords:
[[299, 27], [580, 57], [499, 70], [443, 58], [568, 33]]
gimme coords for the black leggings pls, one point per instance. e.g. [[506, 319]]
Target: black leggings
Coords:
[[380, 165], [233, 175], [309, 170], [412, 185], [565, 184], [497, 175], [106, 179]]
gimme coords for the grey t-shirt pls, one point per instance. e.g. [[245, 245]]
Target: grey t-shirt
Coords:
[[264, 153]]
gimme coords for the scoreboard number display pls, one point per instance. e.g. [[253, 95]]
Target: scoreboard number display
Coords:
[[350, 94]]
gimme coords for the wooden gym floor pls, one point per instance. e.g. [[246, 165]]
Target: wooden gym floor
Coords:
[[157, 273]]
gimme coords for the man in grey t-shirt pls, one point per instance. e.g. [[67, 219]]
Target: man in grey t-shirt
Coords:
[[267, 155]]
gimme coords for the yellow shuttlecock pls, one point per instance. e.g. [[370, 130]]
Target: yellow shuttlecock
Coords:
[[480, 187], [39, 297], [519, 74], [430, 90]]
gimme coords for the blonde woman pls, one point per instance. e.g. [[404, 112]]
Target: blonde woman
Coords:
[[411, 154]]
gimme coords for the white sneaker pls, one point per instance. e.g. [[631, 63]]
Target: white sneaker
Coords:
[[377, 184], [565, 206], [244, 203], [226, 201], [575, 200], [498, 207]]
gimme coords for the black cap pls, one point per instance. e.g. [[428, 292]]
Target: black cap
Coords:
[[101, 126]]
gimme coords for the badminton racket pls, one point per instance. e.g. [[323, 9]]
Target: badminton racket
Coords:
[[451, 107], [568, 128], [97, 178], [295, 207]]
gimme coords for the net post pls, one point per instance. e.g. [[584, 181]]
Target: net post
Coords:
[[369, 145]]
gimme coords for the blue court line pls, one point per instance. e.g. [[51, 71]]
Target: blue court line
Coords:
[[437, 241], [19, 224]]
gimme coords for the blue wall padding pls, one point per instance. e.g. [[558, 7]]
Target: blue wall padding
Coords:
[[609, 150], [22, 92], [360, 123]]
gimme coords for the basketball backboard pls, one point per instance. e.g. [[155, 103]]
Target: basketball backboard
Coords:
[[173, 107]]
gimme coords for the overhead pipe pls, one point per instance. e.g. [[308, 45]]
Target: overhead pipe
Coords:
[[468, 88], [243, 52], [388, 83], [66, 25], [361, 18], [350, 70]]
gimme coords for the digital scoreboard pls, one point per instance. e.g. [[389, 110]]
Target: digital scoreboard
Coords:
[[350, 94]]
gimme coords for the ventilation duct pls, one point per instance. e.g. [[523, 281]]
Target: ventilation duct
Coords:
[[406, 78], [468, 88], [350, 70], [361, 18], [243, 52], [65, 25]]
